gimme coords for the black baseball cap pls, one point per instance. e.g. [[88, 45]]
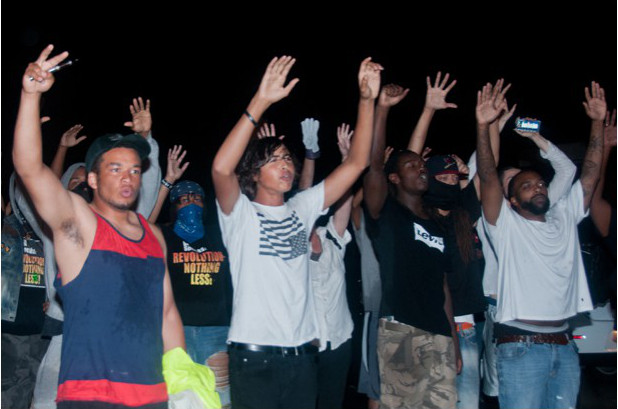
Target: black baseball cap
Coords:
[[441, 165], [110, 141]]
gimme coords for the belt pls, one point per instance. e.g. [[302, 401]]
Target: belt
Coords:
[[556, 338], [462, 326], [308, 348]]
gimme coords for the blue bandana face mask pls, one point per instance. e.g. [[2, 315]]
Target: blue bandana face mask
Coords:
[[189, 225]]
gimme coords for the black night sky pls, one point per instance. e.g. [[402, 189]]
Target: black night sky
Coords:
[[200, 68]]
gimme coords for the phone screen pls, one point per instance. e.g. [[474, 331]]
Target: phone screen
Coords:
[[528, 125]]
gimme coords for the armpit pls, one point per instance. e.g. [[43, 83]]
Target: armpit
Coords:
[[69, 229]]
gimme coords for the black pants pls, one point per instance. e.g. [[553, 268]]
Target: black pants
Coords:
[[21, 357], [261, 380], [333, 366]]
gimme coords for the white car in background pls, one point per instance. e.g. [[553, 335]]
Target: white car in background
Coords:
[[595, 337]]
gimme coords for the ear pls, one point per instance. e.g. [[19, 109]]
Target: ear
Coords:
[[513, 202], [393, 178], [92, 180]]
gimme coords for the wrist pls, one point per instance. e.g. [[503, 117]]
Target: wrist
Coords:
[[310, 154], [166, 183]]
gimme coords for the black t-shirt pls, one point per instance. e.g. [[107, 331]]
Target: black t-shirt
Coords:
[[465, 280], [410, 251], [200, 277], [30, 316]]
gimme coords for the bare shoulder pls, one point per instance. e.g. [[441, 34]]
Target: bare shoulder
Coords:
[[156, 230]]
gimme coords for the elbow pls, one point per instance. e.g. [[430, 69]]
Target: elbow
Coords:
[[220, 169]]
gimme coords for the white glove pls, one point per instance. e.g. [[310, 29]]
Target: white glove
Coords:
[[310, 128]]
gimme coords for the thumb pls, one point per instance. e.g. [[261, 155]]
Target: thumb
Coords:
[[129, 124]]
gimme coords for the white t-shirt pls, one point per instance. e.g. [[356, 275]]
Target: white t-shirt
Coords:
[[541, 275], [268, 249], [329, 287], [564, 172]]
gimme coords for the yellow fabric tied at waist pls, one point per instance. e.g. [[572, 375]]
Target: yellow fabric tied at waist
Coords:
[[181, 374]]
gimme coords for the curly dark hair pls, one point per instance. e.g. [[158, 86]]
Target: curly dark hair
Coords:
[[257, 154]]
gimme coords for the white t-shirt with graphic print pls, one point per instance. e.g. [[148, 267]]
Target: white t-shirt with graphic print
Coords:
[[269, 250]]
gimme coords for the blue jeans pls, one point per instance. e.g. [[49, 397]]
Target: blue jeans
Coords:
[[538, 375], [468, 381], [490, 371], [202, 343]]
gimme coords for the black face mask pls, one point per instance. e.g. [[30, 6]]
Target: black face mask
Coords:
[[83, 191], [441, 195]]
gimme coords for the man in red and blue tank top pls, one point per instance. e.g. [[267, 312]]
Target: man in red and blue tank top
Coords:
[[120, 314]]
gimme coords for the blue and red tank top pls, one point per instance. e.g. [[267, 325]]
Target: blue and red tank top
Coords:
[[112, 345]]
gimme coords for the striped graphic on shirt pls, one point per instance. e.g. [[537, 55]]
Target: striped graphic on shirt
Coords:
[[286, 239]]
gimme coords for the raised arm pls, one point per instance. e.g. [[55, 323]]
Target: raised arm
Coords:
[[434, 100], [375, 179], [141, 123], [489, 105], [600, 209], [309, 127], [272, 89], [52, 201], [344, 176], [68, 140], [341, 218], [174, 172], [495, 128], [564, 168], [596, 109]]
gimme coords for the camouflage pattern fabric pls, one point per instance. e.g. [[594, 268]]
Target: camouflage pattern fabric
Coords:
[[417, 368]]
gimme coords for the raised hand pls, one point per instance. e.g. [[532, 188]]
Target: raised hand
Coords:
[[37, 79], [142, 120], [490, 102], [527, 134], [425, 153], [387, 153], [69, 137], [174, 167], [436, 94], [610, 130], [461, 165], [344, 135], [267, 131], [369, 78], [392, 94], [273, 88], [309, 127], [506, 115], [595, 104]]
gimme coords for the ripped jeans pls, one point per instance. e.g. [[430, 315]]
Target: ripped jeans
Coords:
[[202, 344]]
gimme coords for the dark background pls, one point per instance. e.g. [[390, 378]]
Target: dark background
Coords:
[[200, 63], [199, 66]]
